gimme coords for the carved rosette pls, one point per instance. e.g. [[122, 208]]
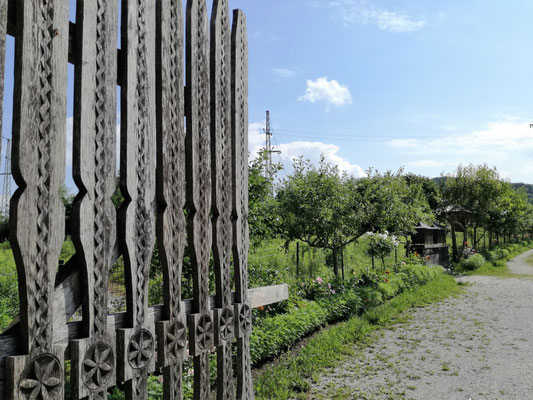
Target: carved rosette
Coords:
[[176, 339], [141, 349], [135, 353], [171, 341], [201, 333], [224, 326], [98, 365], [42, 379], [243, 322]]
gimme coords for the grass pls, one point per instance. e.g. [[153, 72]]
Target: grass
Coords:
[[499, 267], [292, 375]]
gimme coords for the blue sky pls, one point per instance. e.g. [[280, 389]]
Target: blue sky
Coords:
[[416, 83], [420, 84]]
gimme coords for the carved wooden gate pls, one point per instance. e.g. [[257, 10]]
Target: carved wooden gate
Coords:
[[166, 166]]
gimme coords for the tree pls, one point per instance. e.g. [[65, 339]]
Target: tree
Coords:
[[317, 205], [328, 209], [262, 216]]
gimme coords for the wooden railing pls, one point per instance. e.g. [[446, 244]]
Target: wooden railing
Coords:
[[183, 175]]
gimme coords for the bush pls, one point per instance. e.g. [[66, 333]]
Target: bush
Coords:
[[472, 263], [276, 334]]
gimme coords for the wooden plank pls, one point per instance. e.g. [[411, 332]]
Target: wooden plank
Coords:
[[94, 215], [3, 32], [239, 78], [199, 188], [137, 181], [171, 223], [38, 162], [36, 212], [263, 296], [258, 297], [220, 64]]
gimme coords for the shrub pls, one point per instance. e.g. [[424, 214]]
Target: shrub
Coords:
[[473, 262]]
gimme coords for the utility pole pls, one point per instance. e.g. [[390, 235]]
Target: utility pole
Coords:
[[6, 188], [268, 148]]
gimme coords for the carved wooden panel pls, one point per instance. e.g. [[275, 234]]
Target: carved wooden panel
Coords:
[[239, 80], [3, 32], [221, 175], [136, 346], [198, 154], [37, 213], [171, 223], [94, 216]]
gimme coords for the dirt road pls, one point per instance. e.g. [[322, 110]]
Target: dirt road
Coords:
[[478, 346]]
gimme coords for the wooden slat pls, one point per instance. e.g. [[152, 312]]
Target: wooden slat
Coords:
[[3, 32], [171, 223], [38, 162], [94, 146], [221, 175], [239, 78], [137, 181], [199, 188], [9, 341]]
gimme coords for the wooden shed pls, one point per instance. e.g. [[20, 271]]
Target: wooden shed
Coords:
[[430, 241]]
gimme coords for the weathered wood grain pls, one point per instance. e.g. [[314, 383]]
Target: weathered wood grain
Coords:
[[221, 192], [94, 215], [36, 211], [171, 223], [239, 82], [137, 182], [3, 34], [199, 188]]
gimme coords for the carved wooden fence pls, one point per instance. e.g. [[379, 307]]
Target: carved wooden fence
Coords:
[[166, 166]]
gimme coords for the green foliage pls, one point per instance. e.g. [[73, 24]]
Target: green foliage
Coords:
[[472, 263], [276, 334], [292, 375], [262, 216]]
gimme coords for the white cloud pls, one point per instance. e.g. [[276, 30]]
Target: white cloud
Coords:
[[506, 144], [358, 11], [329, 91], [284, 73], [293, 150]]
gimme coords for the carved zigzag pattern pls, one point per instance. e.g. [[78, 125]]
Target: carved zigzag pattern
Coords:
[[203, 160], [175, 147], [100, 160], [42, 319], [143, 222]]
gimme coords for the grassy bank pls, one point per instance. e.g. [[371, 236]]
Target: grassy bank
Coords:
[[499, 267], [291, 376]]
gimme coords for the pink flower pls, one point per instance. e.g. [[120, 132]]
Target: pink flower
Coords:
[[329, 285], [319, 280]]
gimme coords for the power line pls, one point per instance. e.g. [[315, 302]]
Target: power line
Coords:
[[6, 188], [269, 169]]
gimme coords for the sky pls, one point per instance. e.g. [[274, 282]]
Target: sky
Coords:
[[421, 85]]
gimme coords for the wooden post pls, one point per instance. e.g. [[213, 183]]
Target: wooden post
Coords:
[[136, 344], [221, 167], [36, 211], [239, 111], [198, 161], [94, 215], [171, 223]]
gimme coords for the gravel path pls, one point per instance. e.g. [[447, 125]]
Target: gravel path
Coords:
[[519, 265], [478, 346]]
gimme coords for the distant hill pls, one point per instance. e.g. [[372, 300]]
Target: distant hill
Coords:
[[529, 188]]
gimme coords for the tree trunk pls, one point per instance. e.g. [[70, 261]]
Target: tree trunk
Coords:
[[475, 237], [454, 243], [297, 259], [335, 253], [342, 262], [490, 240]]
